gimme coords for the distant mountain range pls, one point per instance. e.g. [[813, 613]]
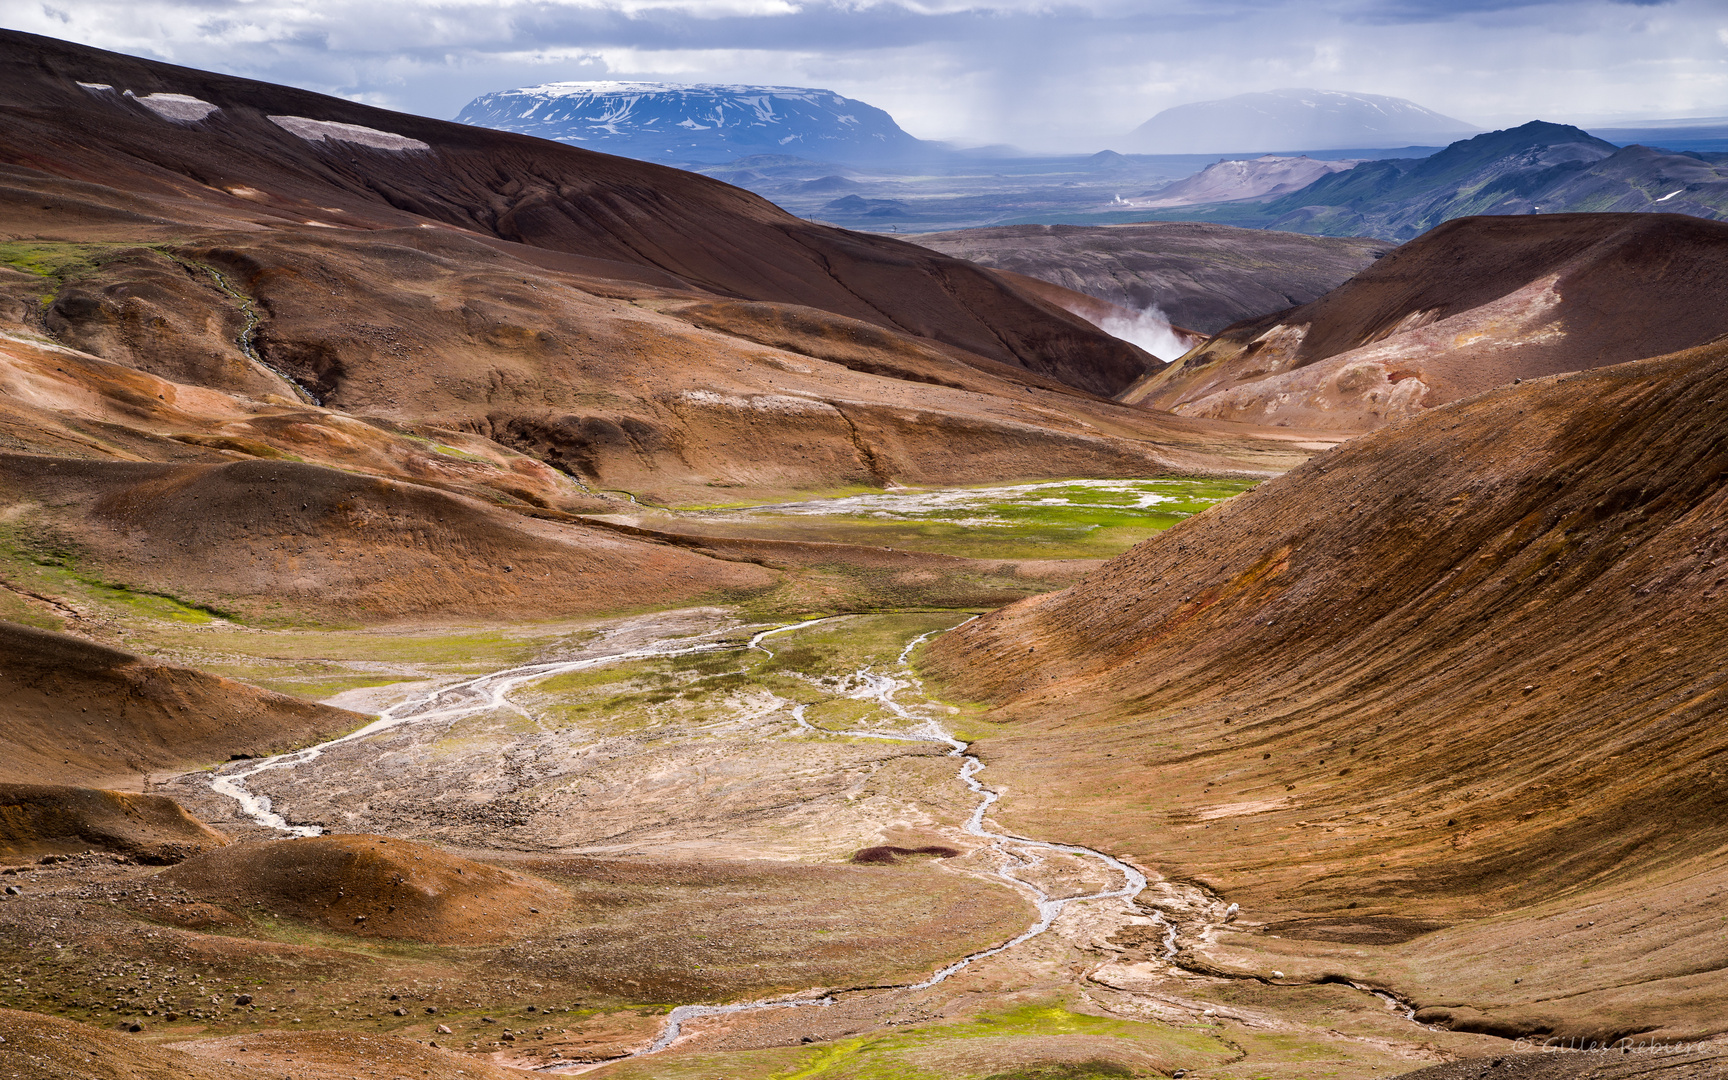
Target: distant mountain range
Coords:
[[795, 145], [698, 123], [1537, 168], [1293, 119]]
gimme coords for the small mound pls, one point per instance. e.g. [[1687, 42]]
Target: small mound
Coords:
[[889, 855], [48, 819], [372, 886], [82, 713]]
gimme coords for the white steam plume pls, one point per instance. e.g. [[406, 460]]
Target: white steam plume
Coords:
[[1149, 329]]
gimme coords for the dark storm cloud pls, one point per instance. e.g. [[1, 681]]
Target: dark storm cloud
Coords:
[[1026, 71]]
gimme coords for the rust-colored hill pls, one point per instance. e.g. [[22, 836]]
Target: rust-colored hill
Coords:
[[271, 539], [1461, 672], [51, 819], [373, 886], [1477, 302], [72, 711]]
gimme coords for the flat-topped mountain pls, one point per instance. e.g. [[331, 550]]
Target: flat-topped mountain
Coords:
[[1293, 119], [697, 122]]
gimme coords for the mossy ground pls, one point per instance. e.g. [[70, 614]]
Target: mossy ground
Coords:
[[805, 666], [1071, 519]]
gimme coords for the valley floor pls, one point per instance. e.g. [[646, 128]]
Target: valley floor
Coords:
[[733, 810]]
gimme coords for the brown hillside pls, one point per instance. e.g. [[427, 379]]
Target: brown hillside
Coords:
[[373, 886], [72, 711], [1477, 302], [1460, 672], [507, 296], [63, 402], [1200, 275], [48, 819], [280, 539], [623, 219]]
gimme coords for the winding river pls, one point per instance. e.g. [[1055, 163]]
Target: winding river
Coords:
[[491, 691]]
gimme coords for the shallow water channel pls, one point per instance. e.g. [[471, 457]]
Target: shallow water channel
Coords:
[[1048, 519]]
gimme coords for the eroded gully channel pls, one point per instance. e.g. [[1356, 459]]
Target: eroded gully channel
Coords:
[[488, 692]]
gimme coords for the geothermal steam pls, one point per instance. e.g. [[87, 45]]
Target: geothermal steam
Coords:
[[1150, 329]]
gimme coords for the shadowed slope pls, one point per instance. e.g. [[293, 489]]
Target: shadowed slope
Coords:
[[81, 712], [1475, 303], [1460, 669]]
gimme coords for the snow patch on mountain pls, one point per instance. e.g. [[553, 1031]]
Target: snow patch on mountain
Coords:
[[695, 122], [320, 130], [183, 108]]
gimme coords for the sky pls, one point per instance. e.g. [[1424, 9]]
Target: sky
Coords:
[[1039, 75]]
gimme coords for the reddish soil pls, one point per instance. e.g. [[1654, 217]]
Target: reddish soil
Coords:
[[47, 819], [1477, 302], [81, 712], [38, 1047], [1455, 670], [889, 855], [608, 217], [280, 539], [373, 886]]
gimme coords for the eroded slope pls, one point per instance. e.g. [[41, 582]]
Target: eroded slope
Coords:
[[1475, 303]]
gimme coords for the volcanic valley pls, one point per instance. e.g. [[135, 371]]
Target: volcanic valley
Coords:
[[472, 606]]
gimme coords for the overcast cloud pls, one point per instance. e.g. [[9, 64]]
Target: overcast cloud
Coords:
[[1037, 74]]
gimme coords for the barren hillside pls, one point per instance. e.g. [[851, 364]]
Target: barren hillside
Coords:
[[1475, 303], [1453, 674]]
